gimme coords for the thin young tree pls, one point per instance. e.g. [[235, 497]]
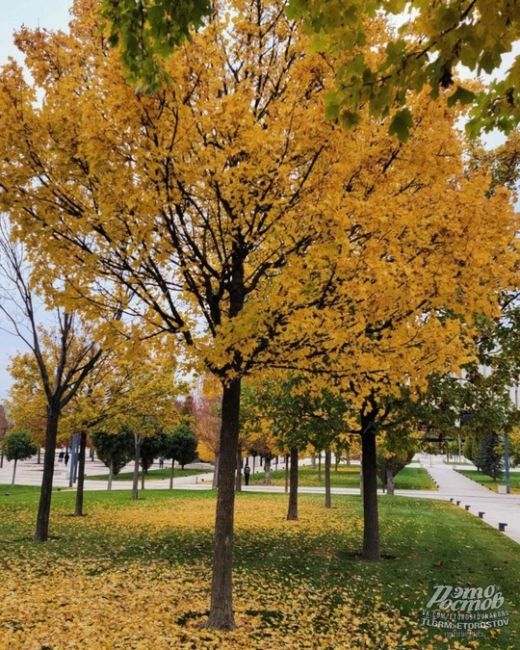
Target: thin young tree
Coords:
[[64, 356]]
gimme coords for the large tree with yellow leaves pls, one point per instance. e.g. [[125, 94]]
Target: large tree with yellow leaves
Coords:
[[223, 210]]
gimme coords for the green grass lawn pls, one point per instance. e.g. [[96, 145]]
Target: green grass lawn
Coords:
[[409, 478], [151, 474], [486, 480], [296, 583]]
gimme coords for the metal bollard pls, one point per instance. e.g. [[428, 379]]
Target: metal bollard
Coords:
[[467, 507], [481, 515], [502, 527]]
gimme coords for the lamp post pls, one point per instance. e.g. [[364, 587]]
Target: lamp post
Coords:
[[506, 463], [74, 458]]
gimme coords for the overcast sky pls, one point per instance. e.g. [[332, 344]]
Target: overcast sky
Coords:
[[51, 14]]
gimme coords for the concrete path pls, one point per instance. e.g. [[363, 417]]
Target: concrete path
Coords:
[[30, 473], [497, 508]]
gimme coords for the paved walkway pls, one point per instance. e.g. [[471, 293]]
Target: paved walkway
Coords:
[[30, 473], [497, 508]]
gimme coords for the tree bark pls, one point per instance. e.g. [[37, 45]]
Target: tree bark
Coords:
[[286, 473], [39, 456], [14, 471], [319, 465], [44, 507], [390, 482], [328, 499], [292, 512], [81, 474], [221, 608], [313, 461], [267, 470], [143, 473], [171, 473], [1, 460], [110, 474], [137, 460], [371, 550]]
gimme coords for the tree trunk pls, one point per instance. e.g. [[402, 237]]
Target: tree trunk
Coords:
[[337, 459], [221, 608], [313, 461], [14, 471], [171, 473], [253, 470], [267, 470], [371, 549], [319, 465], [292, 512], [238, 477], [328, 500], [143, 474], [137, 460], [1, 459], [286, 473], [390, 483], [81, 474], [92, 452], [39, 457], [44, 507], [110, 474]]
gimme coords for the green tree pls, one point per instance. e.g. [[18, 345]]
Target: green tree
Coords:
[[489, 458], [180, 445], [115, 450], [151, 447], [298, 415], [18, 445]]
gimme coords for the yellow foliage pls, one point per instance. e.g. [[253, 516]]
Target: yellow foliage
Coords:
[[204, 452], [104, 605], [224, 209]]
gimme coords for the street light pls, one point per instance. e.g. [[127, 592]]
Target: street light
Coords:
[[506, 463]]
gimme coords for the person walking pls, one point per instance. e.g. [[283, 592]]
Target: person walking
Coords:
[[247, 472], [66, 459]]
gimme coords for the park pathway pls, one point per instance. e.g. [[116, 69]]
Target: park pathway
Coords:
[[497, 508]]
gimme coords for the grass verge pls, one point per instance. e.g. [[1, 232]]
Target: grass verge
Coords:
[[137, 574]]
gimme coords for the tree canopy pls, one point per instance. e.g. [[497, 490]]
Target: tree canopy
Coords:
[[425, 50]]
